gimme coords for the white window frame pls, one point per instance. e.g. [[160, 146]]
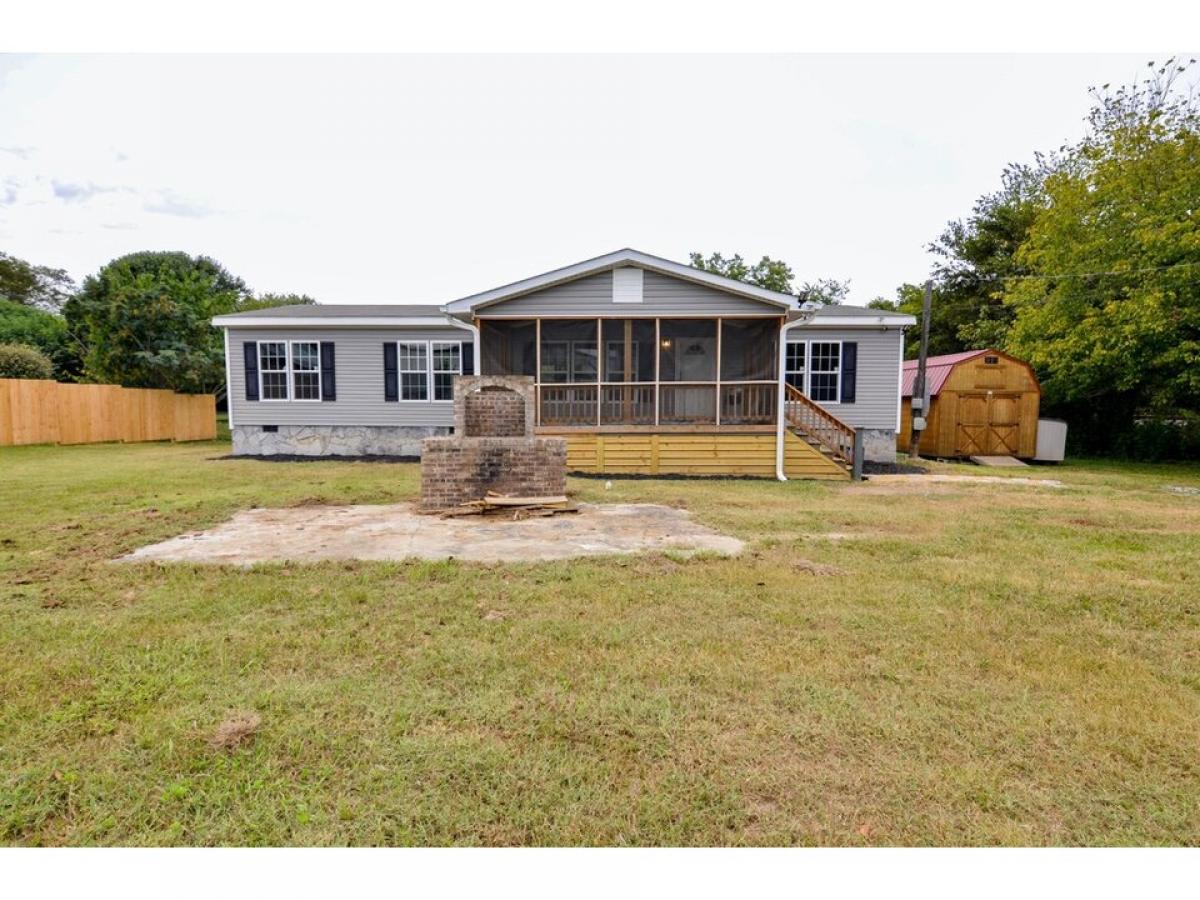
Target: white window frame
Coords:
[[435, 372], [401, 372], [292, 372], [808, 370], [286, 370], [808, 373]]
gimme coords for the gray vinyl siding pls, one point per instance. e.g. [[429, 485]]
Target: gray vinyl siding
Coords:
[[662, 295], [358, 363], [877, 389]]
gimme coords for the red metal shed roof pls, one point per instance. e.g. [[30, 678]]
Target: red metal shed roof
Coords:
[[937, 370]]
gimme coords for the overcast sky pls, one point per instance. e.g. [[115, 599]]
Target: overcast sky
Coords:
[[424, 178]]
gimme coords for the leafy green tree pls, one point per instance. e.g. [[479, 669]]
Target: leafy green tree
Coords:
[[144, 321], [23, 361], [827, 291], [269, 300], [1111, 320], [38, 286], [35, 327], [772, 274]]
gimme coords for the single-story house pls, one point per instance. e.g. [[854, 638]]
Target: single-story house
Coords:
[[642, 364]]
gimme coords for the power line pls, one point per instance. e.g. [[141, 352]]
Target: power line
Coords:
[[1189, 265]]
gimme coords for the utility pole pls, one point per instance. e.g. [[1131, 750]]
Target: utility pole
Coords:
[[918, 394]]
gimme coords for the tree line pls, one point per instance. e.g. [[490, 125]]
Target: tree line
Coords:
[[142, 320], [1086, 263]]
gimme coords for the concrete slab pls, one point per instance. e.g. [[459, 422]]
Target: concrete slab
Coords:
[[398, 531], [999, 461]]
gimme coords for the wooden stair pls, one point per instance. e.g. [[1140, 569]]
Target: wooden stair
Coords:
[[823, 431]]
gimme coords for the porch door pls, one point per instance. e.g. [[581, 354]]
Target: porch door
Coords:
[[988, 424]]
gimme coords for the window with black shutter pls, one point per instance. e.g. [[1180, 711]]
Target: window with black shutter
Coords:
[[849, 370], [250, 357], [328, 375], [391, 381]]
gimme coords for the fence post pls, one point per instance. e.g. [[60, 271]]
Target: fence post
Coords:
[[857, 473]]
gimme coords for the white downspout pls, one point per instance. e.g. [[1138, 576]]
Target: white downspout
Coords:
[[779, 421], [474, 329], [229, 384]]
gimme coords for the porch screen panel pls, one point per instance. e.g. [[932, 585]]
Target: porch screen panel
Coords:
[[569, 352], [687, 350], [627, 368], [628, 350], [749, 349], [508, 347]]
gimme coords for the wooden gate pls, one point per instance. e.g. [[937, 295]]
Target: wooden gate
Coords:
[[989, 424]]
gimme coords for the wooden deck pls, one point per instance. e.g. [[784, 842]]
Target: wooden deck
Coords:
[[675, 453]]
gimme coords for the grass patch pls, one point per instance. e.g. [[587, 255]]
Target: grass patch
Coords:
[[941, 664]]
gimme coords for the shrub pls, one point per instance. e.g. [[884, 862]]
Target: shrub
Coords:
[[20, 361]]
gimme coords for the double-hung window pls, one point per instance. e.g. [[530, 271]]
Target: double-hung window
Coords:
[[793, 364], [306, 370], [273, 370], [825, 371], [815, 369], [413, 358], [446, 358]]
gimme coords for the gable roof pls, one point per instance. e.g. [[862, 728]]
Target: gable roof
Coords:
[[937, 370], [624, 257]]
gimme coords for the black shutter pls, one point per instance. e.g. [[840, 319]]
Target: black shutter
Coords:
[[391, 381], [250, 355], [328, 372], [849, 370], [468, 358]]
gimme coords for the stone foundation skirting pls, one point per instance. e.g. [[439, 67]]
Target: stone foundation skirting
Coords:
[[333, 440], [456, 471], [879, 444]]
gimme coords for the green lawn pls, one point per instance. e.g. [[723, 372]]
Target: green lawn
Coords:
[[969, 665]]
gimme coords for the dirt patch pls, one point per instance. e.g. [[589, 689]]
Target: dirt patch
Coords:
[[235, 731], [920, 482], [893, 468], [807, 567], [399, 531]]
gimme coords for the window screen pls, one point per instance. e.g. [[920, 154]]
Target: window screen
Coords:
[[306, 370], [272, 369], [793, 371], [414, 371], [825, 371], [447, 362]]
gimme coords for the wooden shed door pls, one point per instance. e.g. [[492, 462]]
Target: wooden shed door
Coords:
[[988, 424]]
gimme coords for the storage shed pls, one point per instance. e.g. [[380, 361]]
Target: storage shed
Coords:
[[981, 403]]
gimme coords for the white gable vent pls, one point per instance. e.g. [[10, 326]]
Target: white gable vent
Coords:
[[627, 285]]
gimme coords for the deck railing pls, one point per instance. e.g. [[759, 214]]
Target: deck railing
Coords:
[[671, 404], [815, 422]]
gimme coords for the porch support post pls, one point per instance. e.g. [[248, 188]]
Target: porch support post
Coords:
[[657, 362], [718, 372], [857, 473], [537, 375], [599, 368]]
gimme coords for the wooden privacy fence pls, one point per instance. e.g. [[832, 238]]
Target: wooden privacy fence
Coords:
[[46, 412]]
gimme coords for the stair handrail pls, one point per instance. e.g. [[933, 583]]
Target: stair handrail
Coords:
[[819, 423]]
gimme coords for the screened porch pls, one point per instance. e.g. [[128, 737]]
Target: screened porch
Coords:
[[652, 374]]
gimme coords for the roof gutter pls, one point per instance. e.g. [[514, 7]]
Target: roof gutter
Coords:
[[243, 321]]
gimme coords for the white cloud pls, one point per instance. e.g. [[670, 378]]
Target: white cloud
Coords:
[[167, 204], [78, 193]]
